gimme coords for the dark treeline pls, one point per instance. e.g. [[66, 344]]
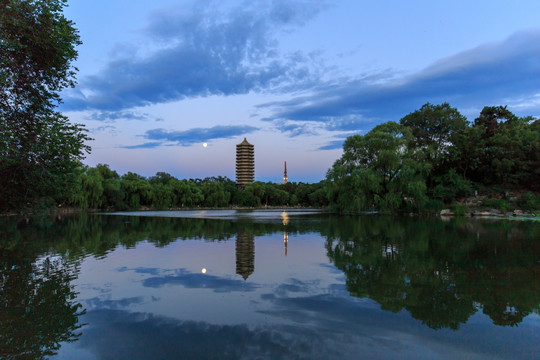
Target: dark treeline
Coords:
[[434, 158], [102, 188]]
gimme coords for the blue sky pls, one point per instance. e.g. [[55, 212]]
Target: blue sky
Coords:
[[296, 77]]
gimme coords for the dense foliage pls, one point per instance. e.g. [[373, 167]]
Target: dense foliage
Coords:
[[434, 157], [102, 188], [39, 148]]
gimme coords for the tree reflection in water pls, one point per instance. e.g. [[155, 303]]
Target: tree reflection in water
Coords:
[[440, 272], [38, 310]]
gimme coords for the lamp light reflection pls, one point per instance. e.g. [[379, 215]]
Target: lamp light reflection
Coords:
[[285, 217]]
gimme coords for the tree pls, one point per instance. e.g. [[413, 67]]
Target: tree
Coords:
[[377, 169], [215, 194], [255, 191], [503, 149], [188, 194], [137, 189], [161, 178], [163, 196], [318, 197], [434, 128], [274, 196], [39, 148], [113, 194], [88, 189], [492, 117]]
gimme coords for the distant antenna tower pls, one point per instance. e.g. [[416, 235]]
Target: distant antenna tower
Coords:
[[285, 174]]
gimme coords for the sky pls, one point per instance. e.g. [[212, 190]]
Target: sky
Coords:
[[158, 79]]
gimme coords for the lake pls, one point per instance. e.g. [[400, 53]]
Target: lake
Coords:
[[268, 284]]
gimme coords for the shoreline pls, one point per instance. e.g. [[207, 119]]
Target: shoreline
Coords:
[[479, 213]]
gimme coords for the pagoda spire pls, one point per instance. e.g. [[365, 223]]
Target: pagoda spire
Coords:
[[285, 174]]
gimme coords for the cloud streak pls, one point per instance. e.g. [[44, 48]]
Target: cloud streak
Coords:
[[490, 74], [111, 116], [199, 281], [201, 53], [162, 137], [332, 145]]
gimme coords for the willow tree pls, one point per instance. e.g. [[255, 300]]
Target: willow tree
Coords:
[[377, 171], [39, 147]]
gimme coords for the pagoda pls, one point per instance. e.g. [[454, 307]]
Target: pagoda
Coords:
[[245, 163]]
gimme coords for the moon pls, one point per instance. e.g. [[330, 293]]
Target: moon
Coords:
[[204, 144]]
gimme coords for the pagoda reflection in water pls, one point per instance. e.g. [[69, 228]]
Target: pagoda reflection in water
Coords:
[[245, 248], [245, 254]]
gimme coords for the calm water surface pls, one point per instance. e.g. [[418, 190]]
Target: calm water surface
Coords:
[[269, 284]]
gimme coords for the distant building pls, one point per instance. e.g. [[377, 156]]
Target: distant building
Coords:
[[245, 163], [285, 174]]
